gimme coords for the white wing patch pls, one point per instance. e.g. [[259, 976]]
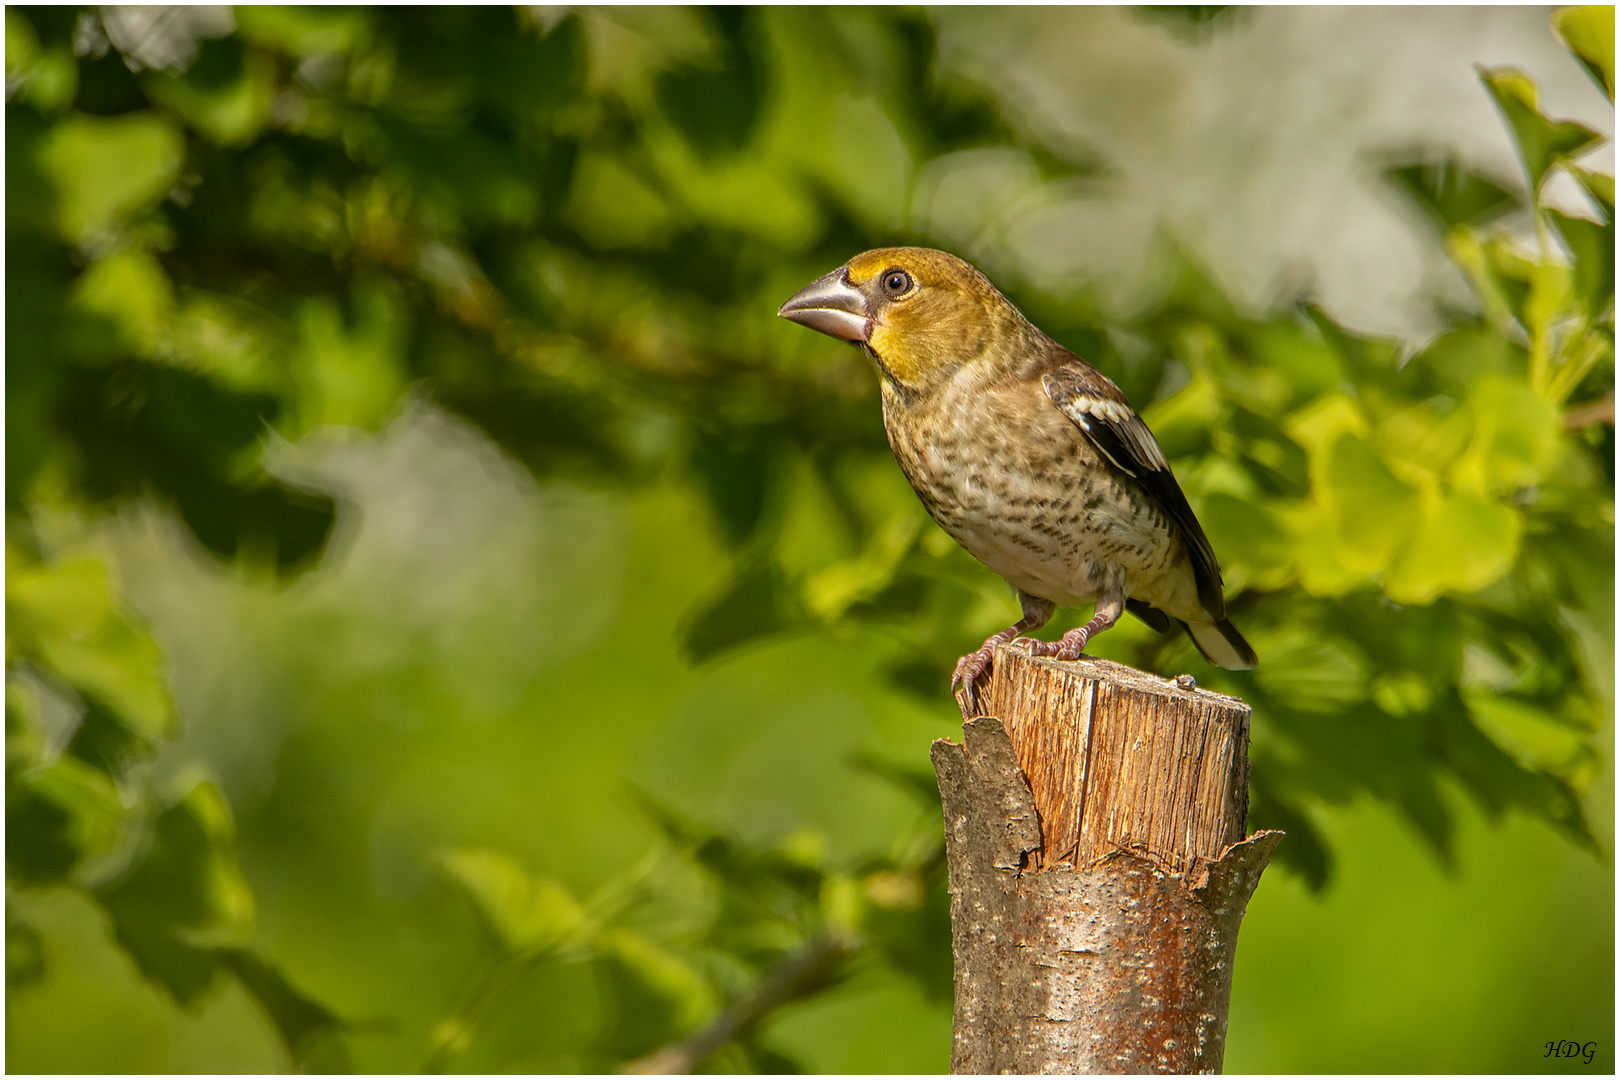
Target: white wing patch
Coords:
[[1101, 408], [1121, 421]]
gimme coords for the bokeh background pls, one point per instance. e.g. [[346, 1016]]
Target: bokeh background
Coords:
[[452, 624]]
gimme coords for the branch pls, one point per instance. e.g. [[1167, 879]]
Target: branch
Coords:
[[798, 976], [1599, 411]]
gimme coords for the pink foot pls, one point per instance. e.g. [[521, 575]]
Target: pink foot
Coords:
[[964, 680], [1070, 647], [972, 667]]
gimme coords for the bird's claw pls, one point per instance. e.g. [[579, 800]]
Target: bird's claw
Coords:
[[964, 680], [1042, 648], [1070, 647], [972, 667], [1073, 644]]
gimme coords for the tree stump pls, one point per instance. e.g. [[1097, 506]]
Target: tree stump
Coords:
[[1098, 869]]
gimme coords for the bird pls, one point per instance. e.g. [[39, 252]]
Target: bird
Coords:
[[1026, 455]]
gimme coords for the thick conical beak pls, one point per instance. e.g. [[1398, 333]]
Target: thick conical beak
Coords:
[[833, 306]]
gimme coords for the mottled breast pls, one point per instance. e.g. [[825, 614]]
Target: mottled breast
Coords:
[[1018, 485]]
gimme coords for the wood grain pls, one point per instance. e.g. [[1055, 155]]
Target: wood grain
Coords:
[[1120, 760]]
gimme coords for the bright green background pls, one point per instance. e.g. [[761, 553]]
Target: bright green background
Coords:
[[429, 559], [1397, 966]]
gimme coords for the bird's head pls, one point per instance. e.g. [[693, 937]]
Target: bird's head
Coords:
[[919, 314]]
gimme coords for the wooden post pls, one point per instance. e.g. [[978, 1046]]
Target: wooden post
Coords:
[[1098, 869]]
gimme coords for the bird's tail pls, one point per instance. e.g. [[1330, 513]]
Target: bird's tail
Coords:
[[1222, 645]]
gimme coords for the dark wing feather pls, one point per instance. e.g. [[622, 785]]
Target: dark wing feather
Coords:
[[1149, 614], [1097, 407]]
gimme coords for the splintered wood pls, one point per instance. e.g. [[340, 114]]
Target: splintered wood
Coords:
[[1121, 760]]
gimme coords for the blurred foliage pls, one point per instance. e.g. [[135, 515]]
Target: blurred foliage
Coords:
[[573, 230]]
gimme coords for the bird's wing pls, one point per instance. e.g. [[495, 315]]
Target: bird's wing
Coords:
[[1156, 619], [1099, 410]]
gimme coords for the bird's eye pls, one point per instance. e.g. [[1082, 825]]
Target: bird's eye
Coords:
[[896, 282]]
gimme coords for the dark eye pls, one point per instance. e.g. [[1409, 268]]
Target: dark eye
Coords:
[[896, 282]]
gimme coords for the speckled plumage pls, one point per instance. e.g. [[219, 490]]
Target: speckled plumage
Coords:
[[1025, 454], [1016, 483]]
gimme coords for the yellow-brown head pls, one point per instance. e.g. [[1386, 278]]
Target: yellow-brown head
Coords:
[[919, 313]]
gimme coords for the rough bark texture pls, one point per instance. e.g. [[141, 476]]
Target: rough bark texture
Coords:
[[1113, 953]]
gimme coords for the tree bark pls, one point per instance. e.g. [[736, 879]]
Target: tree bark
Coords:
[[1098, 870]]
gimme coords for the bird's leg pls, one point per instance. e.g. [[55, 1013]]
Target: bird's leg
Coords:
[[969, 669], [1110, 606]]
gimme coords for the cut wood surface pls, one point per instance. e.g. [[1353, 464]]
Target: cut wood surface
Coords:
[[1098, 871], [1120, 759]]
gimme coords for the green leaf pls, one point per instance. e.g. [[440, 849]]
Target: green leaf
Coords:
[[1426, 437], [654, 995], [56, 818], [1516, 437], [1182, 422], [139, 429], [1311, 675], [908, 919], [225, 94], [833, 590], [524, 72], [1189, 22], [1294, 350], [1499, 781], [1458, 359], [45, 78], [22, 44], [350, 372], [1313, 538], [1598, 185], [64, 614], [1592, 245], [1372, 511], [304, 30], [758, 887], [106, 168], [186, 899], [1452, 193], [816, 530], [1402, 693], [755, 603], [1536, 740], [310, 1031], [527, 915], [1542, 143], [1512, 276], [1462, 543], [615, 205], [128, 291], [717, 106], [1318, 425], [1250, 536], [736, 467], [1588, 30], [481, 180]]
